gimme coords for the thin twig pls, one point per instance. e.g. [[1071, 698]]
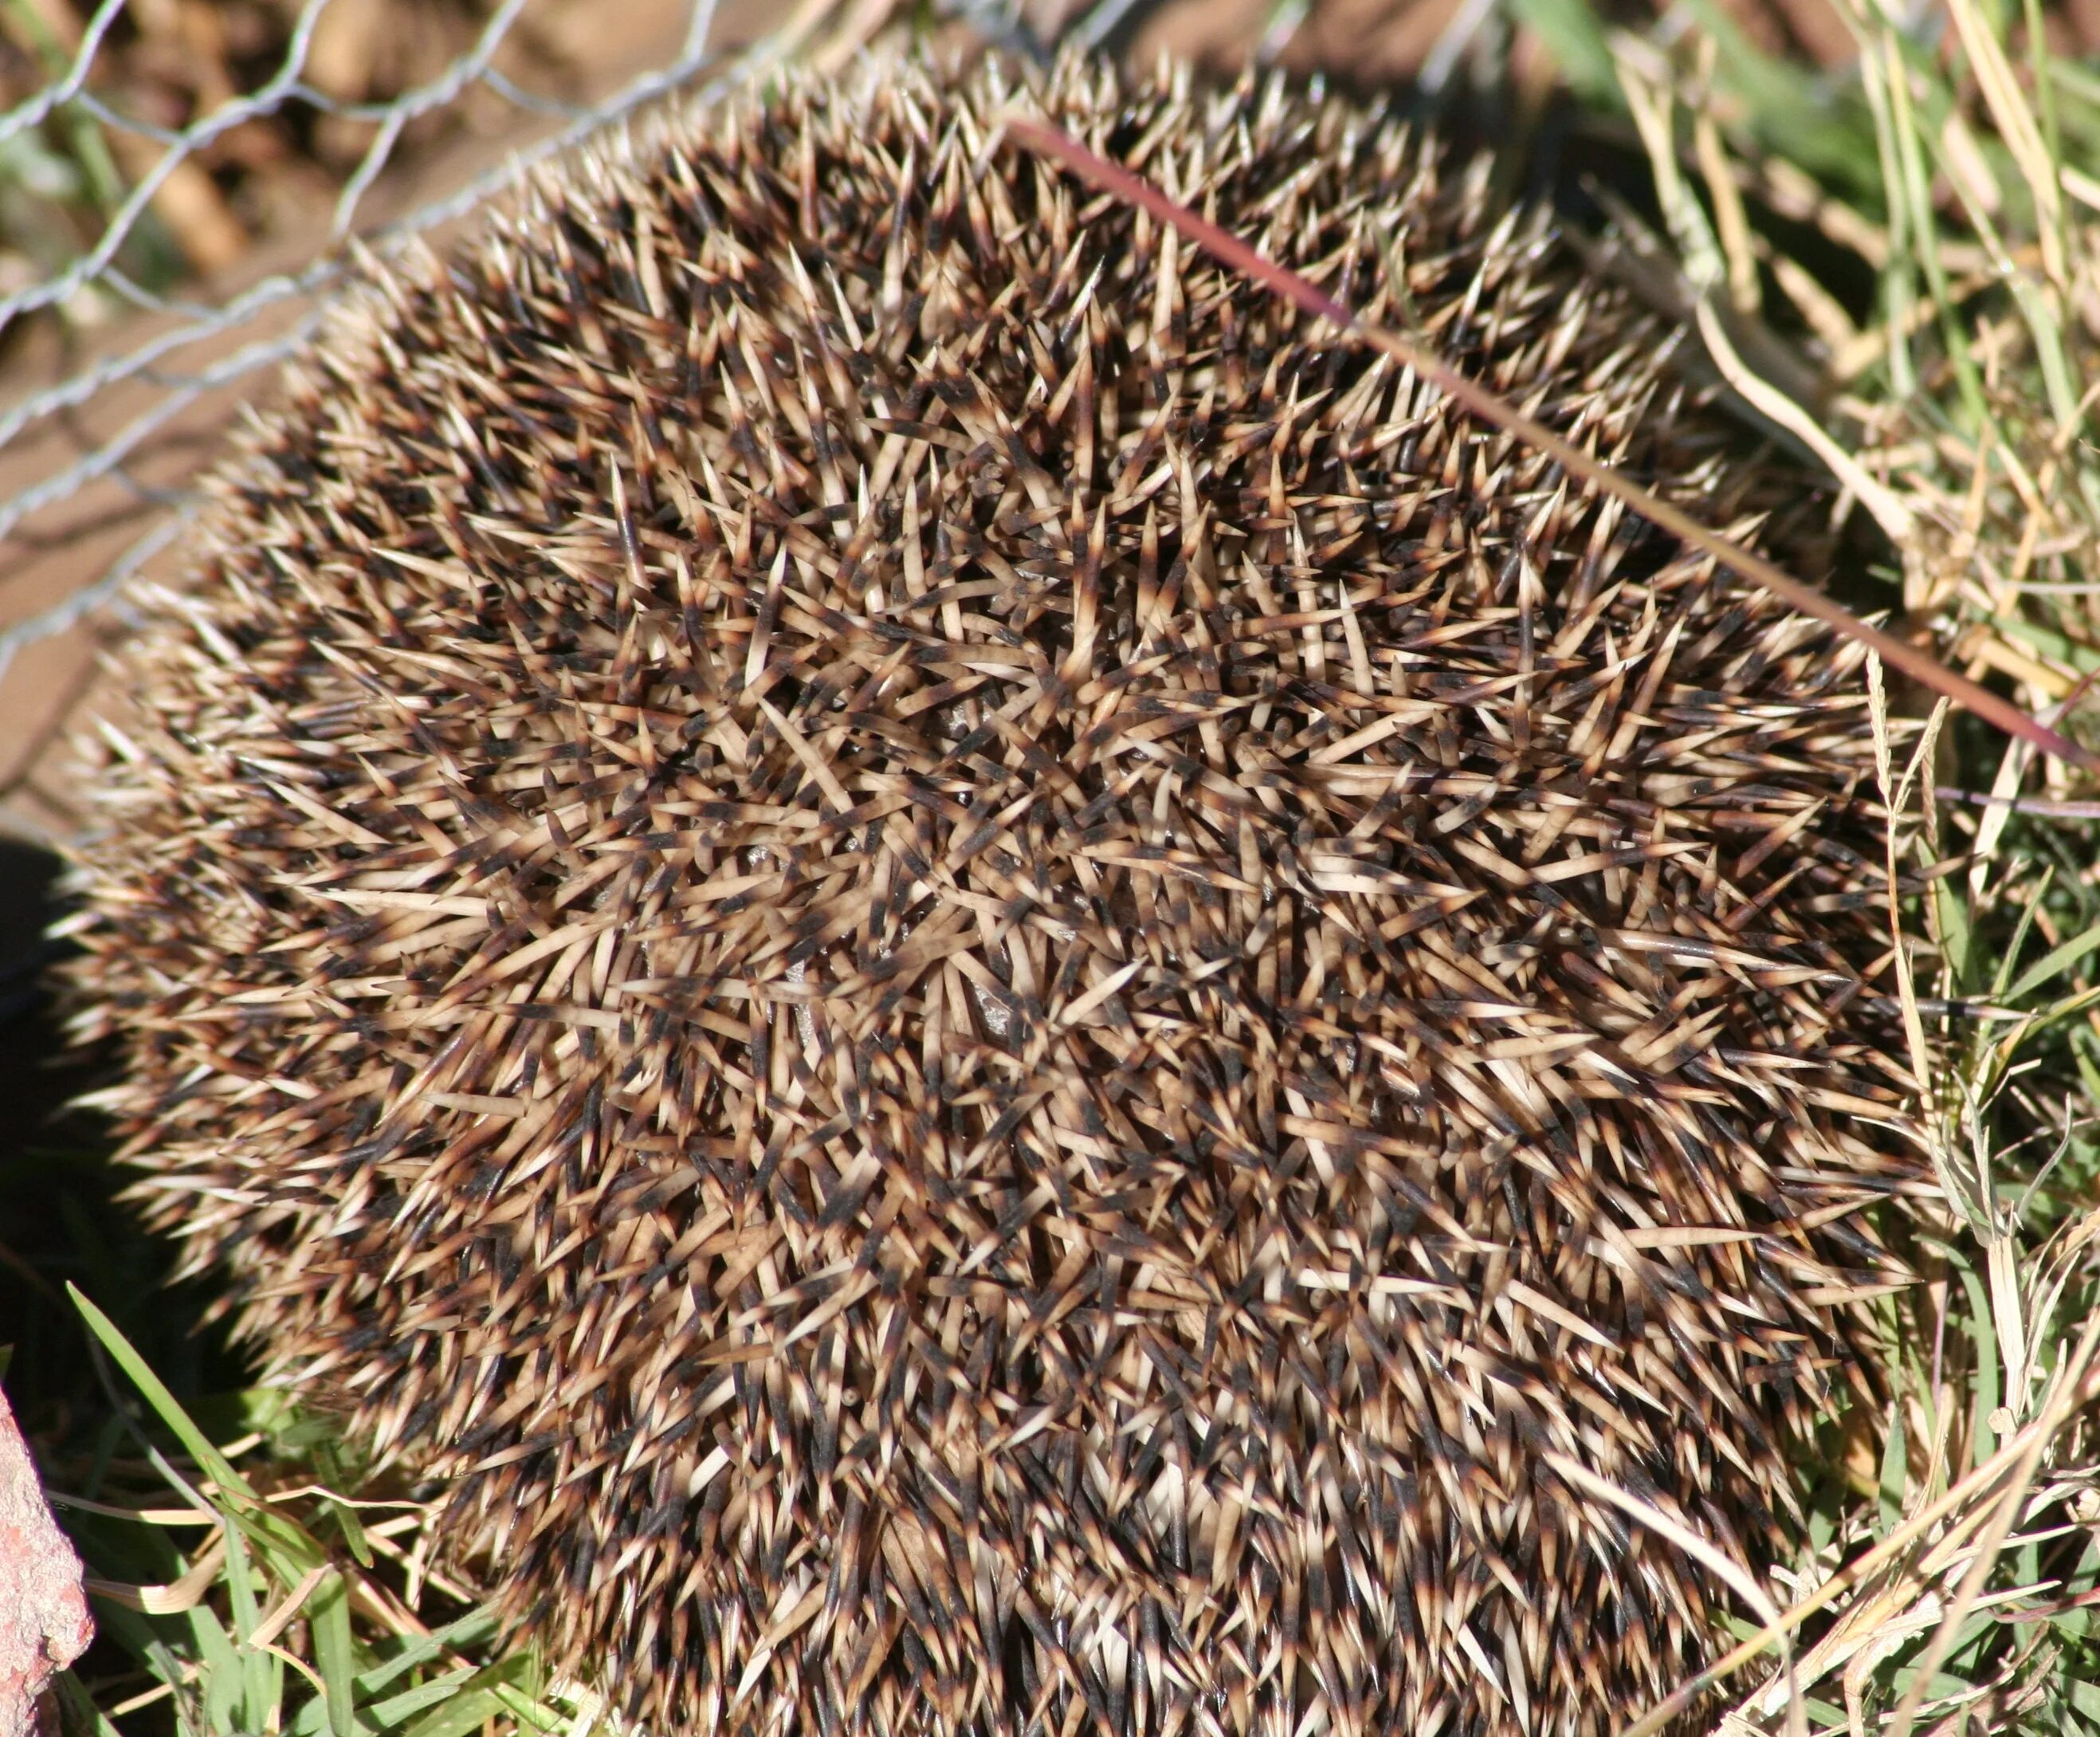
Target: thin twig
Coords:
[[1041, 137], [2050, 806]]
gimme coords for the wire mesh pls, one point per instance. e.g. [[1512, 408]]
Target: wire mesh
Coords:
[[95, 464]]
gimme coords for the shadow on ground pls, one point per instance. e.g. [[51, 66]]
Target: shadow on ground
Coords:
[[60, 1219]]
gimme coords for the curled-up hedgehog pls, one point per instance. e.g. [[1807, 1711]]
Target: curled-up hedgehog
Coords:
[[986, 990]]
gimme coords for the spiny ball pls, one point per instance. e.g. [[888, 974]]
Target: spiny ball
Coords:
[[985, 990]]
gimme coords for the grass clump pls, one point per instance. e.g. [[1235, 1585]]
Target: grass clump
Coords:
[[238, 1590], [1952, 1573]]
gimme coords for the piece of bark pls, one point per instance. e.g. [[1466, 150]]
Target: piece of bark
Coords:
[[44, 1623]]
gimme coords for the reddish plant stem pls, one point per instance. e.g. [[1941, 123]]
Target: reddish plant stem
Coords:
[[1045, 140]]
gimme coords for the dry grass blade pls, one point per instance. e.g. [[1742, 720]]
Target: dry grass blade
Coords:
[[1963, 1509]]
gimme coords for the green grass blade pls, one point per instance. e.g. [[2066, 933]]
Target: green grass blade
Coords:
[[213, 1463], [78, 1712], [1983, 1441], [476, 1700], [328, 1615], [2054, 963], [2011, 955], [1895, 1477], [222, 1679], [397, 1710]]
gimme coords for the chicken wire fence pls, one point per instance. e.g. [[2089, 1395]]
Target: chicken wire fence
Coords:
[[117, 373], [105, 360], [101, 361]]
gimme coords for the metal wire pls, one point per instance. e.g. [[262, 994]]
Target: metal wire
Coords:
[[35, 429], [58, 478]]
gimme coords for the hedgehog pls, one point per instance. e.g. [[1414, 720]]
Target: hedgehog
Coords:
[[975, 988]]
